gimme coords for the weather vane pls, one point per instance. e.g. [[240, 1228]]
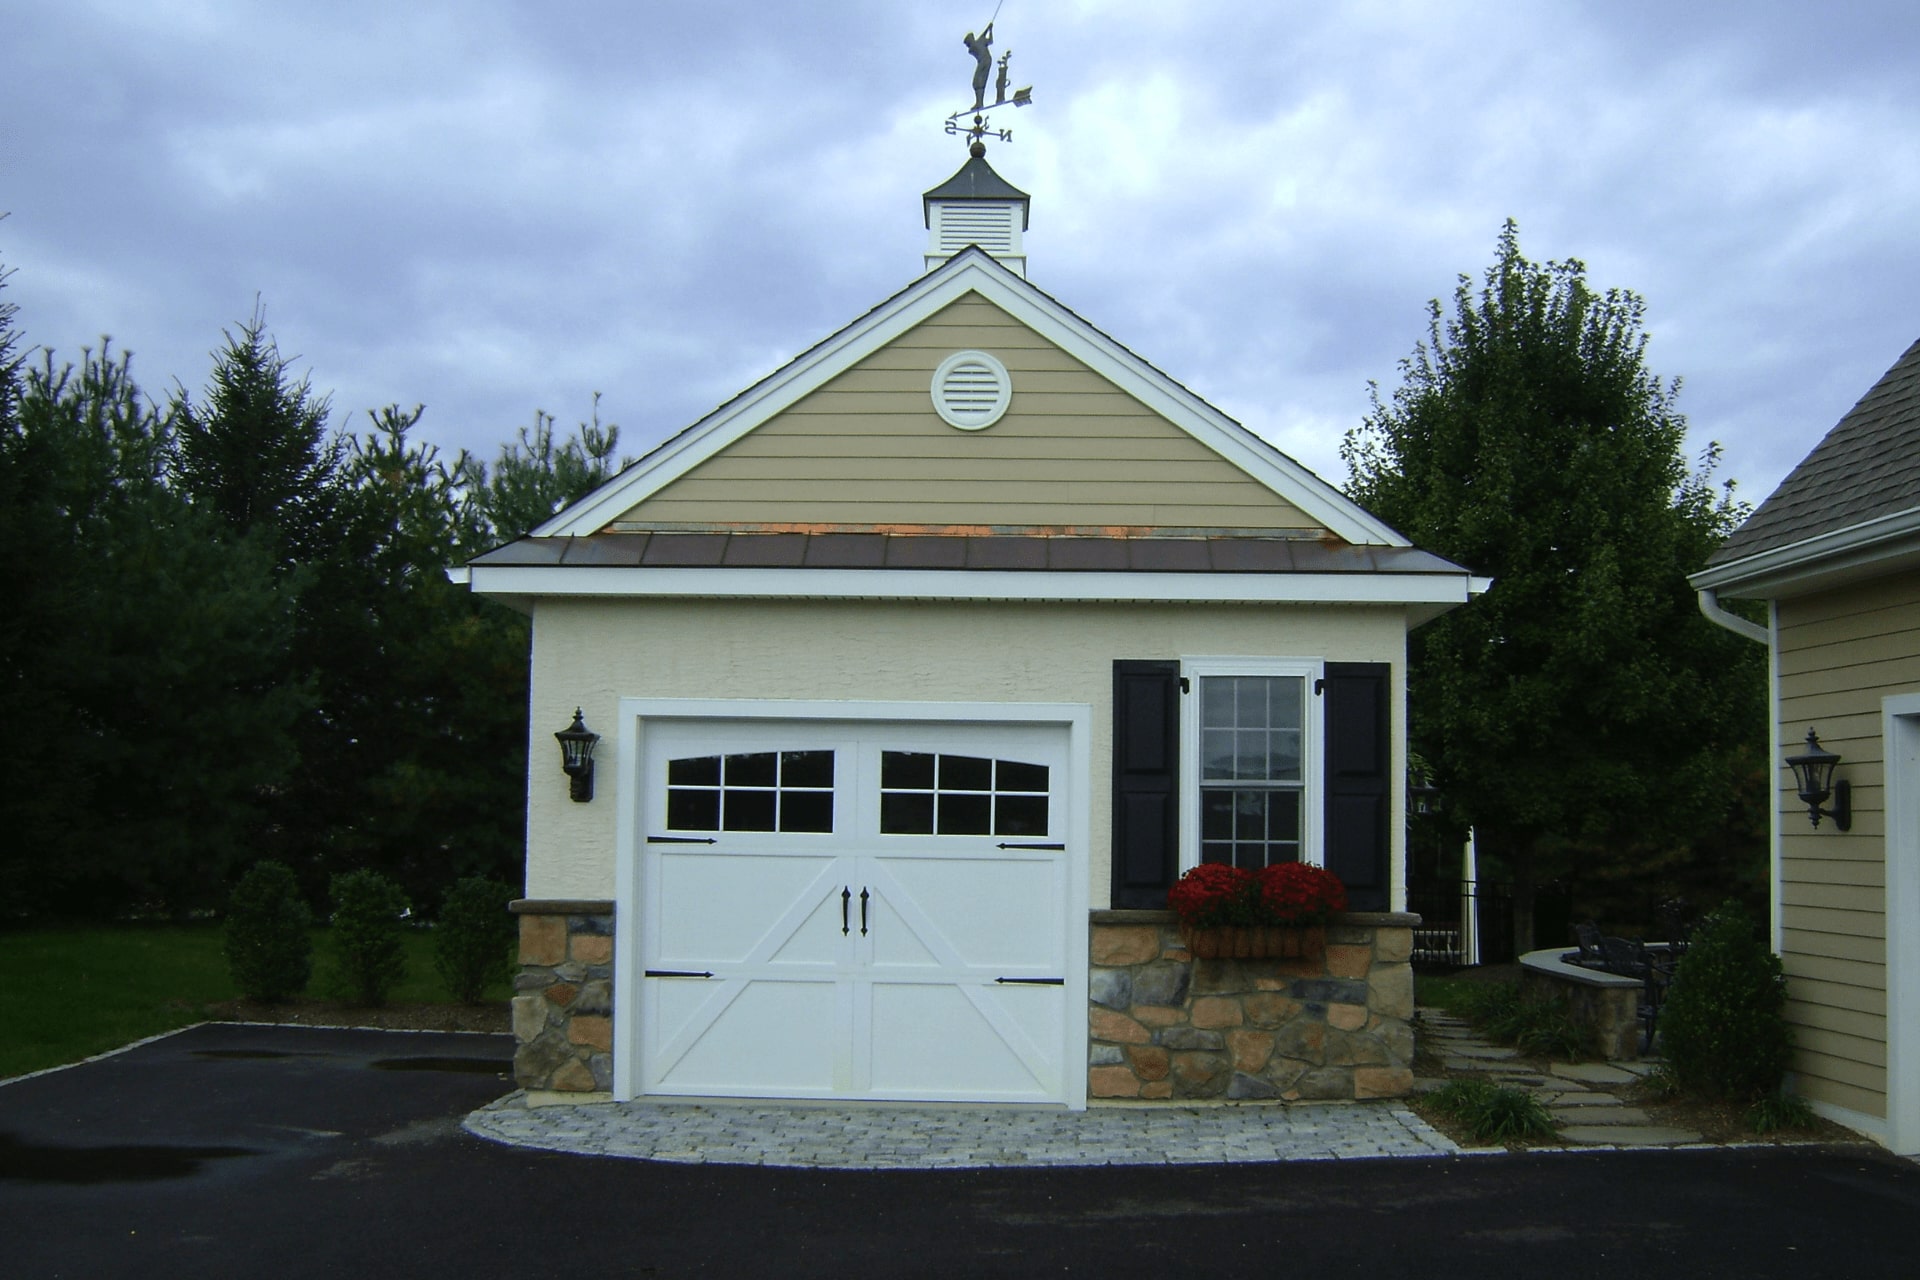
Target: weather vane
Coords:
[[981, 47]]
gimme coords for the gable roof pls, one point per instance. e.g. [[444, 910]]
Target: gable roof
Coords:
[[973, 271], [1856, 494]]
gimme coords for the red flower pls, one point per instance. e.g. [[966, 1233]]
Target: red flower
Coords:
[[1215, 893]]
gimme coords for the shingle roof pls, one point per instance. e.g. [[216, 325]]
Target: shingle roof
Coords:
[[1867, 467], [920, 551]]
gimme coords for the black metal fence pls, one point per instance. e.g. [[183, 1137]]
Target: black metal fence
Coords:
[[1443, 937]]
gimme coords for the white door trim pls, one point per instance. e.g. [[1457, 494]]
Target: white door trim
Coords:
[[1900, 741], [628, 776]]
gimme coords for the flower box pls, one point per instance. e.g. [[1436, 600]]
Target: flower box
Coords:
[[1255, 941], [1279, 911]]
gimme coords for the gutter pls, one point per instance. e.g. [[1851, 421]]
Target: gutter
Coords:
[[1710, 606]]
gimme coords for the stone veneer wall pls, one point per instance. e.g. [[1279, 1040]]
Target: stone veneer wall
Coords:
[[1163, 1025], [563, 997]]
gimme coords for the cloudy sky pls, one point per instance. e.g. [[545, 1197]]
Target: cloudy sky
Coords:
[[494, 206]]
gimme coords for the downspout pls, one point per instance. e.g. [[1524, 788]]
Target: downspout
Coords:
[[1710, 605]]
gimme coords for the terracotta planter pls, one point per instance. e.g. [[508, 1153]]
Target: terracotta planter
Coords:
[[1255, 942]]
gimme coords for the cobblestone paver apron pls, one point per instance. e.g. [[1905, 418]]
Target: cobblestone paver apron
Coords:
[[898, 1136]]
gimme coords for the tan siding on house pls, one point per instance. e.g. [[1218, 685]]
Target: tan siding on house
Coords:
[[867, 449], [1840, 653]]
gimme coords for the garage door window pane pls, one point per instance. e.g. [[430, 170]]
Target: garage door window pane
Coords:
[[751, 791], [923, 793], [746, 810]]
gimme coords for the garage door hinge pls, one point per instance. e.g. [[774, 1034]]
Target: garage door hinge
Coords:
[[1035, 982], [681, 840], [679, 973], [1005, 844]]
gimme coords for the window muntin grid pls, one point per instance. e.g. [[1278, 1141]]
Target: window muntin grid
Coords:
[[1252, 771], [933, 793], [751, 791]]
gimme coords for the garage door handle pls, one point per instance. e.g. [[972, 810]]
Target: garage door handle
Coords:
[[863, 911], [846, 896], [1006, 845], [1034, 982], [679, 973]]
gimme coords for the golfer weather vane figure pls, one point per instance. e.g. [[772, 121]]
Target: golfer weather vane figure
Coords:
[[981, 48]]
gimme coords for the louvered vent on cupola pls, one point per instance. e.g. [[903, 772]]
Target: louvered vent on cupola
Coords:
[[976, 206]]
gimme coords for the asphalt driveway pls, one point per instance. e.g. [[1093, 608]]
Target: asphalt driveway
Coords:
[[290, 1151]]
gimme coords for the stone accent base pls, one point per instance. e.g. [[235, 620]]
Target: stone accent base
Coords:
[[1163, 1025], [563, 997]]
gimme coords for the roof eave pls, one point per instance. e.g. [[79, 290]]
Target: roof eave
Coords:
[[1416, 590], [1829, 559]]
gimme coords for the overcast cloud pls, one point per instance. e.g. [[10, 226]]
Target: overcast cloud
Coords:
[[489, 207]]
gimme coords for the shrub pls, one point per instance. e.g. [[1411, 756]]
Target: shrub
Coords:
[[1723, 1029], [473, 940], [369, 958], [1493, 1113], [269, 951]]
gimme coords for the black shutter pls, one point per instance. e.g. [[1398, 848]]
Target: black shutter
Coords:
[[1146, 781], [1359, 786]]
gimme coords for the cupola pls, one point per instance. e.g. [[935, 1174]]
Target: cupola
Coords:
[[977, 206]]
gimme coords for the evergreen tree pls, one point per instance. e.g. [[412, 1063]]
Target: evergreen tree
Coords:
[[143, 721], [533, 478], [256, 451], [1582, 715]]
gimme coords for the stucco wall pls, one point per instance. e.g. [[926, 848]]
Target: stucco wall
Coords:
[[1840, 653], [869, 449], [590, 654]]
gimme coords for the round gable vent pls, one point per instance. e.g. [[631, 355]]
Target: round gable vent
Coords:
[[971, 390]]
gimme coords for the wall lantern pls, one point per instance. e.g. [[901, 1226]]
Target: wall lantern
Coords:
[[1813, 774], [576, 756]]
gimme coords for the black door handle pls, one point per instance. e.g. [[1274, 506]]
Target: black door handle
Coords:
[[863, 911], [846, 896]]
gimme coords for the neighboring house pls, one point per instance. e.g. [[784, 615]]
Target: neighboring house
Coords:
[[1835, 553], [962, 627]]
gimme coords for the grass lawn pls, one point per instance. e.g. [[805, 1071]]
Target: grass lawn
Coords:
[[68, 993]]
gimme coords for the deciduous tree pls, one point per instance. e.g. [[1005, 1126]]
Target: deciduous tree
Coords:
[[1581, 715]]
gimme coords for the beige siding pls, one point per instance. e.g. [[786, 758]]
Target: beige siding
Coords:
[[1840, 653], [591, 654], [867, 449]]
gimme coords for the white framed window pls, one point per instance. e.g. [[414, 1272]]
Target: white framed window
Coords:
[[1250, 744]]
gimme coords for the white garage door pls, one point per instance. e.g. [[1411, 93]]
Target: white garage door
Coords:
[[854, 911]]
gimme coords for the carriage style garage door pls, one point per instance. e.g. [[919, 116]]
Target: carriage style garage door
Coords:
[[854, 910]]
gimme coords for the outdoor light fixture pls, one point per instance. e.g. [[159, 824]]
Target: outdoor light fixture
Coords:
[[576, 756], [1813, 774]]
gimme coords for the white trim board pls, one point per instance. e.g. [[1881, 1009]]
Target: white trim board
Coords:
[[976, 584], [974, 271], [1900, 740], [1313, 749]]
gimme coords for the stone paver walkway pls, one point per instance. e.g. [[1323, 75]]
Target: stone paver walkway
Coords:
[[901, 1136], [1579, 1096], [1576, 1094]]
